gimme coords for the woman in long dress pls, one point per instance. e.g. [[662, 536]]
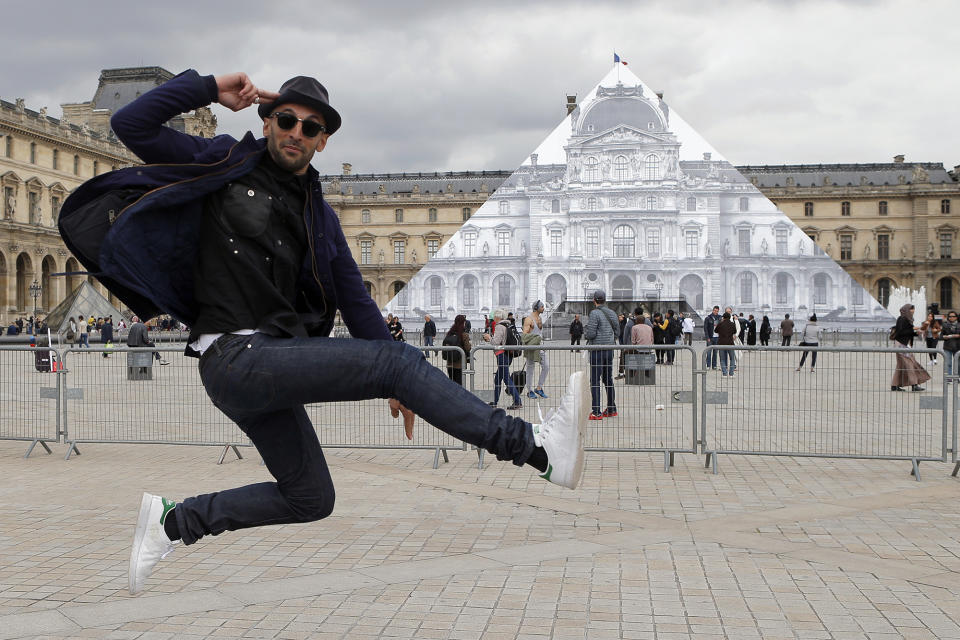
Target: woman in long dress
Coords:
[[908, 371]]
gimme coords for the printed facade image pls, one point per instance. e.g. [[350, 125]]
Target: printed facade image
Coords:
[[620, 205]]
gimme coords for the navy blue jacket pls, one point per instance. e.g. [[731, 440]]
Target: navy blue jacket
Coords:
[[145, 250]]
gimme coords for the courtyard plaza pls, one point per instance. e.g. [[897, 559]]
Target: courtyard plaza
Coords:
[[768, 547]]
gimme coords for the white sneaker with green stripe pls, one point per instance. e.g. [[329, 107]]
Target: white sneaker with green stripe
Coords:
[[563, 432], [150, 541]]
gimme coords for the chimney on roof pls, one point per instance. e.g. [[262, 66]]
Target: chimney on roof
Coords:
[[571, 103], [347, 168], [898, 159], [660, 95], [533, 159], [706, 156]]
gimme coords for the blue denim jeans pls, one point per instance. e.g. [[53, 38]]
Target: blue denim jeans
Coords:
[[713, 354], [948, 362], [502, 374], [261, 383], [601, 371], [727, 362]]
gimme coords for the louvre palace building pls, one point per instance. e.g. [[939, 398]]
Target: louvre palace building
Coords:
[[42, 160], [622, 204]]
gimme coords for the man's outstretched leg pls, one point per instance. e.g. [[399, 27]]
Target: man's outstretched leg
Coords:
[[267, 375]]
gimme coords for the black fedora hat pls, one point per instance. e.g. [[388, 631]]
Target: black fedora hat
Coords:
[[308, 92]]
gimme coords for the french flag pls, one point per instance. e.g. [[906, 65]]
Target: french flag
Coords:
[[617, 59]]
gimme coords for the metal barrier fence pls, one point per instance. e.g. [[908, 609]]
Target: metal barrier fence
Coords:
[[657, 414], [108, 400], [955, 379], [29, 395], [845, 408]]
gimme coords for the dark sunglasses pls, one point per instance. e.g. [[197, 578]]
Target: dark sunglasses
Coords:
[[287, 121]]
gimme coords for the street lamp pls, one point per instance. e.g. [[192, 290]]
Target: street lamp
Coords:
[[659, 287], [35, 290]]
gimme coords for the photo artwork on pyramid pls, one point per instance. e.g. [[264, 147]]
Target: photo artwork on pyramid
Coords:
[[624, 196]]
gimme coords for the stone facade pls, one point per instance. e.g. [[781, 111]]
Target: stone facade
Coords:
[[395, 222], [888, 224], [42, 160]]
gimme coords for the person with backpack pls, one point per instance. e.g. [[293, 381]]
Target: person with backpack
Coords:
[[602, 327], [457, 336], [504, 357]]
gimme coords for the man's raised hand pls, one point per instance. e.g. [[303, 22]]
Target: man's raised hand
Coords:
[[236, 91]]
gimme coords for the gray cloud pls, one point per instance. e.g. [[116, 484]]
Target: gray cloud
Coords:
[[429, 86]]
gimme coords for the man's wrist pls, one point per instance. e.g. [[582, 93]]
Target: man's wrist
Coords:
[[213, 92]]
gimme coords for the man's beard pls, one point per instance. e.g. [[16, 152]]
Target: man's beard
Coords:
[[284, 162]]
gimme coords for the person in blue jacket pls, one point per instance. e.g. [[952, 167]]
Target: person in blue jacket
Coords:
[[234, 239]]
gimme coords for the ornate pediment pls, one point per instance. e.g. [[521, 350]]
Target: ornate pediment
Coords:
[[624, 134]]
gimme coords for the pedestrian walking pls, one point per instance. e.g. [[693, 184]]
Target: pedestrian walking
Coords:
[[786, 330], [660, 335], [106, 336], [950, 334], [396, 329], [687, 326], [710, 334], [429, 330], [810, 338], [726, 333], [502, 374], [751, 330], [601, 328], [457, 336], [533, 335], [84, 331], [576, 330], [241, 246], [930, 330], [909, 372], [765, 331]]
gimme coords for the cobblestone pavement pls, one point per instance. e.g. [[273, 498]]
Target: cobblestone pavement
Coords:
[[768, 548]]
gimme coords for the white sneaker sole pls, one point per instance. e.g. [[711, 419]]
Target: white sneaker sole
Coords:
[[143, 520], [583, 403]]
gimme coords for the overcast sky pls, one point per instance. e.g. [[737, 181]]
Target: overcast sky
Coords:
[[426, 86]]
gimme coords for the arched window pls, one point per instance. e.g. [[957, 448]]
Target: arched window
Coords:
[[748, 288], [468, 292], [946, 293], [651, 167], [554, 206], [621, 168], [503, 285], [744, 204], [504, 208], [652, 203], [431, 215], [400, 292], [591, 204], [623, 241], [365, 216], [821, 289], [782, 287], [691, 204], [591, 170], [884, 285], [436, 292]]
